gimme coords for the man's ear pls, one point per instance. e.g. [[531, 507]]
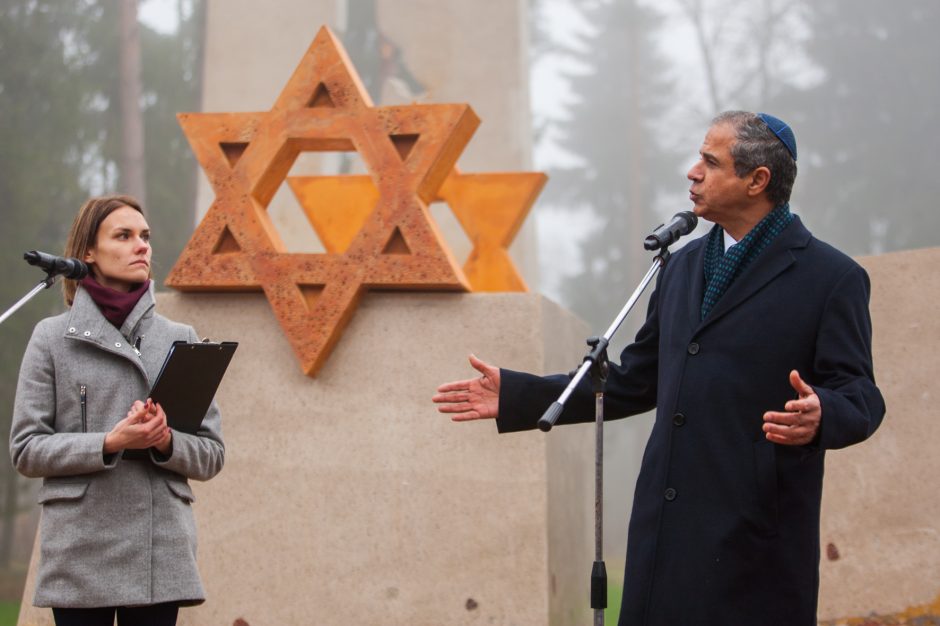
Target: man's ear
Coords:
[[759, 179]]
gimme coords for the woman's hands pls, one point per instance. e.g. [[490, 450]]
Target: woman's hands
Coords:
[[144, 427]]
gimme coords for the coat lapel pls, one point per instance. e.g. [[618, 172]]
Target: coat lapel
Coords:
[[86, 323], [774, 260], [694, 276]]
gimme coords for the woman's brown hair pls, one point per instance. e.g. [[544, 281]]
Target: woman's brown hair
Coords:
[[84, 232]]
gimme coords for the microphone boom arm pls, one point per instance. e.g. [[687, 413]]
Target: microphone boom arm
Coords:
[[43, 284], [53, 266], [597, 364], [599, 345]]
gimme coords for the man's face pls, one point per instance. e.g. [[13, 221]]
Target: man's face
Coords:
[[718, 194]]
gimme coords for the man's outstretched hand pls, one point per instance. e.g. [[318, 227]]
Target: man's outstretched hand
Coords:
[[471, 399], [798, 423]]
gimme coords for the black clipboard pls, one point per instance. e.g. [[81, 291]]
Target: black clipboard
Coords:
[[188, 380]]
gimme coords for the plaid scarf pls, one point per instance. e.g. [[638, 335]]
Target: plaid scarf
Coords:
[[723, 267]]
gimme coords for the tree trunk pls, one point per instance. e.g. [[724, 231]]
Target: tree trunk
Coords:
[[695, 12], [132, 119], [637, 171]]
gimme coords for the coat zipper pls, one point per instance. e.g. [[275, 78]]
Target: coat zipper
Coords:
[[83, 394]]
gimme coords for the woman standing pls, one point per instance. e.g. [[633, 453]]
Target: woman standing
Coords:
[[117, 533]]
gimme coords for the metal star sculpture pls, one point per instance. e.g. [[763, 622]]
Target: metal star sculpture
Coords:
[[490, 207], [408, 150]]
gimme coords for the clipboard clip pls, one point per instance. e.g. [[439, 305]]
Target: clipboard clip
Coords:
[[209, 342]]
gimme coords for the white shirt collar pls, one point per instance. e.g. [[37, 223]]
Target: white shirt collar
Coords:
[[728, 239]]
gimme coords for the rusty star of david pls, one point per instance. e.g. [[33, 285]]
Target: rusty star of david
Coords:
[[408, 151], [490, 207]]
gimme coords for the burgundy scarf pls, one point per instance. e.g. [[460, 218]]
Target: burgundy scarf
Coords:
[[114, 305]]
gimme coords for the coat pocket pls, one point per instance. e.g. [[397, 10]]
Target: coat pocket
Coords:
[[182, 490], [83, 402], [61, 492]]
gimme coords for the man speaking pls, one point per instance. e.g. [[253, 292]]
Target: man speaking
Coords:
[[756, 354]]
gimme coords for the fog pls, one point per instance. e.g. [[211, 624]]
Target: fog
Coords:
[[622, 92]]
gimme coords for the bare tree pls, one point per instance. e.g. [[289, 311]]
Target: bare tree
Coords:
[[741, 45], [694, 11]]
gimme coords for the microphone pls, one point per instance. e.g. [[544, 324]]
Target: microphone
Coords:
[[55, 265], [667, 234]]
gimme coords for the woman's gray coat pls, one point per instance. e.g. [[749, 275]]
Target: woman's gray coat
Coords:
[[114, 531]]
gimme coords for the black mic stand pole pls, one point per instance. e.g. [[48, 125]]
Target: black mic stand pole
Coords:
[[596, 362]]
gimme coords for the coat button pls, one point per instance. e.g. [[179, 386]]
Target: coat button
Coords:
[[117, 344], [693, 348], [678, 419], [670, 494]]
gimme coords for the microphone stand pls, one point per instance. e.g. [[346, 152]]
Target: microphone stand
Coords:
[[597, 363], [45, 283]]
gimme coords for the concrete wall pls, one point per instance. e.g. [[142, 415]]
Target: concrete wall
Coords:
[[881, 505], [349, 500]]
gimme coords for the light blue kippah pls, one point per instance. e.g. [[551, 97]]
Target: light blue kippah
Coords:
[[783, 132]]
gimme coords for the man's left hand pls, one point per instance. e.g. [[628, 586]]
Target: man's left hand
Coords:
[[798, 424]]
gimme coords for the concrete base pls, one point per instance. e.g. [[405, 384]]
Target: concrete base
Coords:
[[881, 512], [347, 499]]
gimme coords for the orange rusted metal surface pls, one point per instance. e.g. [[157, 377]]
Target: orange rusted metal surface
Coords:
[[336, 206], [408, 150], [490, 207]]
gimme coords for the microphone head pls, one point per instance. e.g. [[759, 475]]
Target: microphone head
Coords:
[[33, 257], [681, 224], [56, 265], [73, 268], [691, 221]]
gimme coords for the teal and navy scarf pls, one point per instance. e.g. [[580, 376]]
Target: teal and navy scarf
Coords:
[[723, 267]]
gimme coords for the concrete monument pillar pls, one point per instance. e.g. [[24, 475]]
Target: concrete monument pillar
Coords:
[[418, 51], [347, 499]]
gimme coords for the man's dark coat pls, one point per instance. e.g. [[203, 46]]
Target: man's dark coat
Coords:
[[725, 524]]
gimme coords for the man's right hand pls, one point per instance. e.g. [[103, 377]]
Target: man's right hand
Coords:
[[471, 399]]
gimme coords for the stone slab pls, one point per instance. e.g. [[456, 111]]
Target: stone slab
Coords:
[[351, 499], [881, 509]]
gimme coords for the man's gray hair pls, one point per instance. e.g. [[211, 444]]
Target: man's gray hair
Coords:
[[756, 145]]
